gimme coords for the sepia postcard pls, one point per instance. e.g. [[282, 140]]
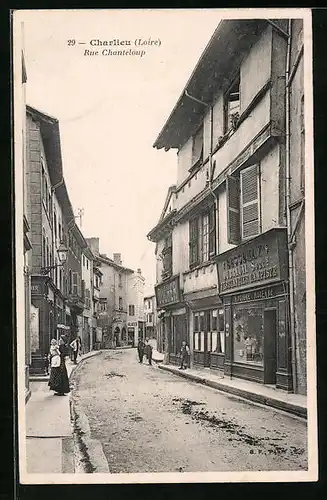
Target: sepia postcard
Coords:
[[164, 235]]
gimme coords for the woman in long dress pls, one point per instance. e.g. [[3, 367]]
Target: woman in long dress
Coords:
[[58, 381]]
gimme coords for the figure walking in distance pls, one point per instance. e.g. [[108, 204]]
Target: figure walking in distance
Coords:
[[140, 350], [58, 380], [185, 352], [148, 349]]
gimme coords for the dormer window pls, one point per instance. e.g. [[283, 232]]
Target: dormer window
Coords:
[[232, 106], [197, 147]]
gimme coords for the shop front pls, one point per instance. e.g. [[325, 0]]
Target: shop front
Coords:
[[252, 280], [207, 336], [173, 317]]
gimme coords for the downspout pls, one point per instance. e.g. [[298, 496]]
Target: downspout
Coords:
[[288, 210]]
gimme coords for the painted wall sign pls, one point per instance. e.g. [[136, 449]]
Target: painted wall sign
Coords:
[[168, 293], [257, 262]]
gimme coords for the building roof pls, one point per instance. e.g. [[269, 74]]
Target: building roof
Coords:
[[110, 262], [171, 190], [49, 128], [230, 40], [159, 230]]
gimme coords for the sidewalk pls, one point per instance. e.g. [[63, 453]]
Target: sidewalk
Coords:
[[267, 395], [49, 439]]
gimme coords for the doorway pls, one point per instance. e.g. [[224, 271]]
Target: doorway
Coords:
[[270, 350]]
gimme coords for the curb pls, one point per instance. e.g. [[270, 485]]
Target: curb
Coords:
[[299, 411], [88, 453]]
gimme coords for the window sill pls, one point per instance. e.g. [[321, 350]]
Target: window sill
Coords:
[[199, 266]]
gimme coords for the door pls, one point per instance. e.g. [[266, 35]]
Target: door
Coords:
[[270, 352], [207, 339]]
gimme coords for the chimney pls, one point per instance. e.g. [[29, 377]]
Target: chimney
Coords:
[[117, 258], [94, 245]]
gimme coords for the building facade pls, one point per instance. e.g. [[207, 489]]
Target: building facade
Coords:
[[222, 240], [135, 305], [57, 300], [150, 318], [87, 292]]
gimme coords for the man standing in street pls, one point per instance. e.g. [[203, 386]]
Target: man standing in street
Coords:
[[140, 350], [185, 351], [148, 350]]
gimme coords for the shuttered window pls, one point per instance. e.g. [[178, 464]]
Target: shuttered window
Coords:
[[75, 283], [250, 216], [193, 243], [233, 210], [83, 289]]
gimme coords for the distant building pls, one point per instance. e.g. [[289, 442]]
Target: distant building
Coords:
[[150, 318], [135, 313]]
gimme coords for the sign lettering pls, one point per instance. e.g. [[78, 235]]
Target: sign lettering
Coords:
[[168, 293], [250, 265]]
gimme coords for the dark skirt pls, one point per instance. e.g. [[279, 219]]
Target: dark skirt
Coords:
[[58, 380]]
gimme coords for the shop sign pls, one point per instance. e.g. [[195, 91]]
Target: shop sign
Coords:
[[265, 293], [168, 293], [254, 263]]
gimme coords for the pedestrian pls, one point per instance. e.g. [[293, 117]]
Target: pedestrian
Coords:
[[148, 350], [75, 345], [58, 380], [185, 352], [140, 350]]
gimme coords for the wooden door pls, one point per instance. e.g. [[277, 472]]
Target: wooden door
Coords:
[[270, 351]]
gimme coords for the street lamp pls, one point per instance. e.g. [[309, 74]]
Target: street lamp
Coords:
[[62, 252]]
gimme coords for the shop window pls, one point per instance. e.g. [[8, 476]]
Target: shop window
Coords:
[[243, 205], [248, 334], [217, 330], [232, 106]]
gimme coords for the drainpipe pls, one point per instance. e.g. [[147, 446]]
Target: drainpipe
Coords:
[[288, 210]]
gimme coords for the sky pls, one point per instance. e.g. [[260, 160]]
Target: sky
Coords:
[[110, 111]]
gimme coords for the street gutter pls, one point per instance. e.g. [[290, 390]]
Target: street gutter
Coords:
[[88, 452], [299, 411]]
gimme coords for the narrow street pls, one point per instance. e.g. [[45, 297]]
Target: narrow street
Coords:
[[148, 420]]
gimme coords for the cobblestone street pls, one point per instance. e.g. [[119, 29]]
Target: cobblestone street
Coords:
[[148, 420]]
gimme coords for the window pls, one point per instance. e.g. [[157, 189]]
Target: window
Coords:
[[70, 281], [243, 205], [119, 280], [55, 224], [120, 303], [103, 305], [232, 106], [87, 263], [248, 334], [197, 146], [167, 254], [131, 310], [302, 145], [75, 283], [202, 237]]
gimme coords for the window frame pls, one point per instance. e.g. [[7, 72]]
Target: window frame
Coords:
[[227, 126], [242, 205]]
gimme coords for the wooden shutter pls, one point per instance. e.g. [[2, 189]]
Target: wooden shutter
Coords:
[[250, 221], [75, 283], [83, 289], [233, 210], [193, 243]]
